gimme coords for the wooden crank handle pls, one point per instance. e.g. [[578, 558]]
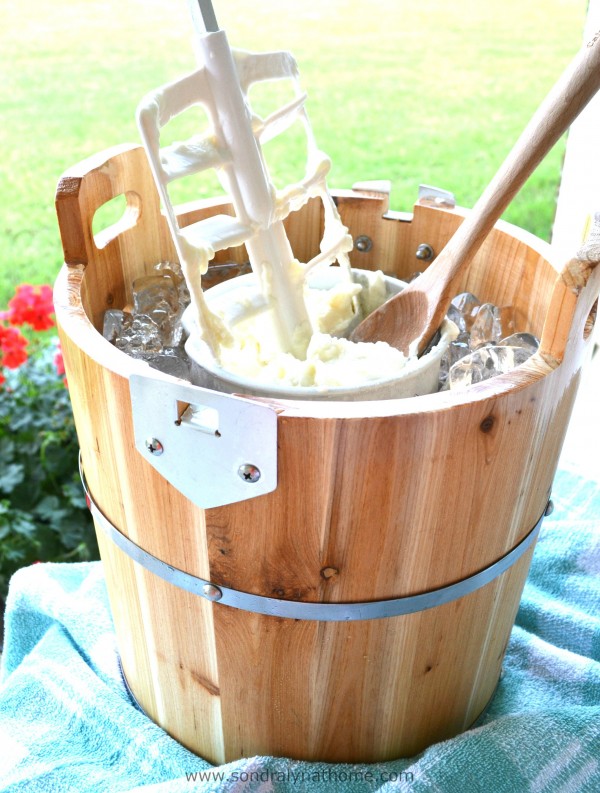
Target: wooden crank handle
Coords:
[[563, 320], [89, 184]]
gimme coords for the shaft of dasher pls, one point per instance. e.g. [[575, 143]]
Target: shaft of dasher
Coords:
[[245, 177]]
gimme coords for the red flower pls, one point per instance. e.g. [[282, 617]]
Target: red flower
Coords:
[[12, 347], [31, 305]]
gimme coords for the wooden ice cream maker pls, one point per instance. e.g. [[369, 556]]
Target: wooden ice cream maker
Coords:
[[322, 580]]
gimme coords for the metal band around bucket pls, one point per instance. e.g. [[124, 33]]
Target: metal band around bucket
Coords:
[[302, 610]]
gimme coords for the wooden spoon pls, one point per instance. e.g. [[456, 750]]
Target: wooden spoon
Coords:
[[413, 316]]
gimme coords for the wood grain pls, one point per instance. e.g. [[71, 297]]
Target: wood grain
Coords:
[[375, 500]]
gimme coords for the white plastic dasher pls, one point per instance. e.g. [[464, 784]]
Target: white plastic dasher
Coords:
[[233, 148]]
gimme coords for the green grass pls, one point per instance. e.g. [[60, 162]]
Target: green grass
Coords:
[[430, 92]]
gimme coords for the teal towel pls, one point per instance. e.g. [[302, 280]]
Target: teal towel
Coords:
[[67, 723]]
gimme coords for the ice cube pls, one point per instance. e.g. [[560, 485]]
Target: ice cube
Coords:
[[507, 321], [173, 269], [526, 341], [458, 348], [169, 360], [139, 334], [463, 309], [152, 291], [487, 327], [485, 362], [113, 324], [160, 298]]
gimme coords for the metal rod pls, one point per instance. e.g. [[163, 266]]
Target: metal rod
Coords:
[[207, 13]]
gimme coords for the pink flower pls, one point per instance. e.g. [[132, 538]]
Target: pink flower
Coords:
[[31, 305], [59, 362], [60, 365]]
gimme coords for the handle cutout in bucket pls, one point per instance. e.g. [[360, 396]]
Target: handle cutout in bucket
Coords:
[[115, 216]]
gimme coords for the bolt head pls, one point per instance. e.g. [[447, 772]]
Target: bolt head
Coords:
[[549, 508], [363, 243], [154, 446], [424, 252], [249, 473]]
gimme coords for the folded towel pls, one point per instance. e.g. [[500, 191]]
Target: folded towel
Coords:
[[67, 722]]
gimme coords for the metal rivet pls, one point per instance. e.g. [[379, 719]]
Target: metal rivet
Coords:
[[363, 243], [549, 508], [154, 446], [249, 472], [424, 252], [212, 592]]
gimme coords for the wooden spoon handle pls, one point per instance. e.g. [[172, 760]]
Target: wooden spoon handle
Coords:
[[564, 103], [566, 100]]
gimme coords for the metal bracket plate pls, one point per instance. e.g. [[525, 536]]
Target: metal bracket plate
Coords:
[[214, 448]]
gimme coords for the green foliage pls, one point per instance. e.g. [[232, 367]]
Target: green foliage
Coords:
[[43, 514]]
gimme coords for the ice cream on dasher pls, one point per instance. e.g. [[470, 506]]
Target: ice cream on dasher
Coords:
[[297, 336]]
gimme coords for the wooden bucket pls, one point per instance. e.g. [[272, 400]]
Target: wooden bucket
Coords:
[[329, 654]]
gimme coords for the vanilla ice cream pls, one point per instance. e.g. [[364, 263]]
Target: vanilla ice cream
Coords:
[[333, 364]]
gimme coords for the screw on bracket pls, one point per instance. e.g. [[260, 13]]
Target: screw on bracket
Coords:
[[154, 446], [249, 472]]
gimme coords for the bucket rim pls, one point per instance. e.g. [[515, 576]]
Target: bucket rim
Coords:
[[73, 322]]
